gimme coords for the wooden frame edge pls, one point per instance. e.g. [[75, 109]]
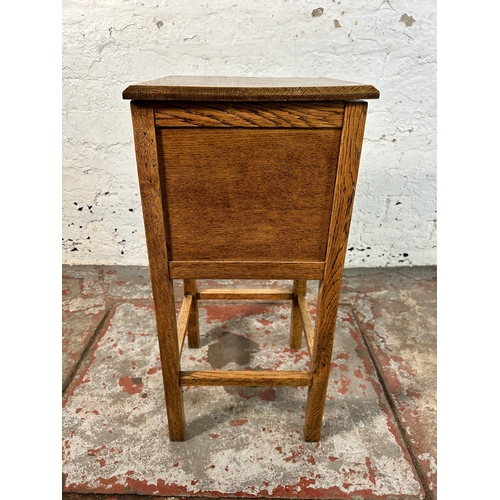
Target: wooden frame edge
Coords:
[[250, 378]]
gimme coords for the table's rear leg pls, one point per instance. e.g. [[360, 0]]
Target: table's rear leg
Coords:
[[193, 326], [299, 288]]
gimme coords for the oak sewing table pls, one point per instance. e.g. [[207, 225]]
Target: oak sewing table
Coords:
[[247, 178]]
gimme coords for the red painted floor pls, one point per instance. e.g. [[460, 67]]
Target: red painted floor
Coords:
[[379, 435]]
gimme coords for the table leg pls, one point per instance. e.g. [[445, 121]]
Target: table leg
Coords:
[[329, 290], [162, 285], [193, 326], [299, 288]]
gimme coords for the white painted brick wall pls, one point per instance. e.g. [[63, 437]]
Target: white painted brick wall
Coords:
[[110, 44]]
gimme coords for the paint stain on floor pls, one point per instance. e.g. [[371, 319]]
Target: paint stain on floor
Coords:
[[244, 442]]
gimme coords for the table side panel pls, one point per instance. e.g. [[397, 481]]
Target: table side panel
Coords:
[[247, 194]]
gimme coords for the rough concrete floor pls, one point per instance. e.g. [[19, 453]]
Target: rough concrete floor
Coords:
[[379, 433]]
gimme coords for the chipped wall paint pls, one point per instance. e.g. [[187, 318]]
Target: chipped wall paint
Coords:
[[110, 44]]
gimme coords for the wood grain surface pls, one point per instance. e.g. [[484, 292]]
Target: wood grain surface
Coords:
[[193, 329], [214, 88], [252, 378], [182, 320], [162, 285], [307, 324], [240, 189], [244, 294], [250, 114], [329, 290], [249, 270], [299, 289], [248, 194]]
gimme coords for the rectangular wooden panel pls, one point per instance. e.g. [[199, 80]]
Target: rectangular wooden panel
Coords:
[[248, 114], [248, 194], [252, 378], [247, 270]]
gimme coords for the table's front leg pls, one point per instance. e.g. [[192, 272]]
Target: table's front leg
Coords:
[[329, 290], [162, 285]]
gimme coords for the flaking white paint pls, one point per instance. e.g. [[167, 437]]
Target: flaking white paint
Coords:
[[110, 44]]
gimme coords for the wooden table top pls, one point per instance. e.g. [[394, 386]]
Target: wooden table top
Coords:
[[219, 88]]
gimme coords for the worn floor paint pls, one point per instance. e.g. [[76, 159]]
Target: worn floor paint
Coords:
[[395, 308], [83, 308], [399, 322], [242, 442]]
